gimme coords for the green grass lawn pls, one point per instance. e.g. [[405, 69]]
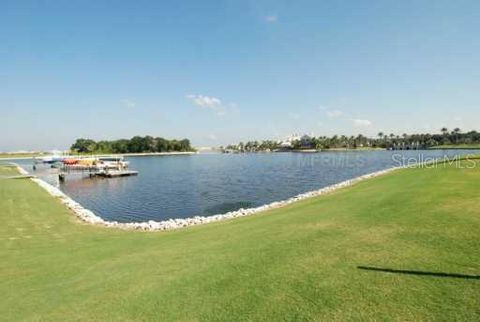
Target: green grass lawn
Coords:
[[456, 146], [295, 263]]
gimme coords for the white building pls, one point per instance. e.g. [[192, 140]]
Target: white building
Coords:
[[288, 141]]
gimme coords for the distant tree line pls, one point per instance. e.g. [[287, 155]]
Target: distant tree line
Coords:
[[137, 144], [383, 141], [252, 146]]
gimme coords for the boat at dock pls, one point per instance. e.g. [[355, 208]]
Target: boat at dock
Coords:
[[91, 166], [116, 173], [51, 159]]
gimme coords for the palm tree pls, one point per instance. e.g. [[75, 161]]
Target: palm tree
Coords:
[[380, 137], [456, 131], [445, 135]]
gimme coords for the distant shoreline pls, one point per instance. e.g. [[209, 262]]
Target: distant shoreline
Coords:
[[338, 150], [21, 156], [146, 154]]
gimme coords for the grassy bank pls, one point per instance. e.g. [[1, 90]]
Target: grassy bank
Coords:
[[456, 147], [298, 262], [356, 149]]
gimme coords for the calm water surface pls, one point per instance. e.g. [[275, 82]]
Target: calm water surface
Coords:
[[207, 184]]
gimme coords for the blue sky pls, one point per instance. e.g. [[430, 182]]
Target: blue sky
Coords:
[[222, 71]]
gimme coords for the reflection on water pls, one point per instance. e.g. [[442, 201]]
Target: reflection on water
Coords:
[[190, 185]]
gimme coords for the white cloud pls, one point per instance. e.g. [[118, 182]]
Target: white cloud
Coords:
[[361, 123], [271, 18], [208, 102], [205, 101], [212, 137], [335, 113], [128, 103], [294, 116]]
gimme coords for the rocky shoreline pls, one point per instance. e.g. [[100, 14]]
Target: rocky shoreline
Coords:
[[89, 217]]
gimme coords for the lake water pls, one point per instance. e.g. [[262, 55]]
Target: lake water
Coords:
[[208, 184]]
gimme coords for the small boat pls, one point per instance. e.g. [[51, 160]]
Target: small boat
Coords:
[[112, 162], [70, 161], [51, 159]]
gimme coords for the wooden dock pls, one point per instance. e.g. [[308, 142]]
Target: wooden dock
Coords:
[[116, 173], [102, 166]]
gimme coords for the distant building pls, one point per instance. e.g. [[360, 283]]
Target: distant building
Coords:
[[287, 143]]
